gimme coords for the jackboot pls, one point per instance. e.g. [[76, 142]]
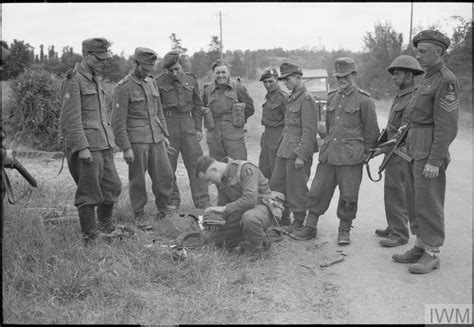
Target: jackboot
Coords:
[[104, 216], [343, 236], [426, 264], [88, 223], [411, 256]]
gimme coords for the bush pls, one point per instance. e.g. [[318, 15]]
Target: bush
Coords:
[[33, 109]]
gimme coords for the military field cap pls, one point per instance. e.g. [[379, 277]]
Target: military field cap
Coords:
[[432, 36], [219, 62], [170, 59], [269, 72], [146, 57], [99, 46], [5, 53], [344, 66], [286, 69]]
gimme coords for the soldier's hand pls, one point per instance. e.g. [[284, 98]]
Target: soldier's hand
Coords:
[[85, 156], [299, 163], [199, 136], [430, 171], [220, 209], [128, 156]]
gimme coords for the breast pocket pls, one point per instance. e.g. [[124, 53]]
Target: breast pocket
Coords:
[[425, 101], [351, 117], [89, 96], [168, 96], [395, 118], [187, 93]]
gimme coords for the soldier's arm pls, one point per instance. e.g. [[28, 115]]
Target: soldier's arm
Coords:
[[249, 183], [370, 126], [204, 96], [197, 107], [71, 116], [309, 124], [119, 117], [446, 111], [243, 96], [222, 198], [160, 114]]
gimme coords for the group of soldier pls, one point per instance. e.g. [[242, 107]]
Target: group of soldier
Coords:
[[156, 118]]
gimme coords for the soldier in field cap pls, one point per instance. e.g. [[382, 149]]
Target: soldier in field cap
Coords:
[[230, 106], [296, 145], [89, 142], [182, 105], [352, 128], [141, 133], [434, 124]]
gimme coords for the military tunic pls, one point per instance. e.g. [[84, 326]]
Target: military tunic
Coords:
[[226, 140], [182, 109], [298, 139], [273, 118], [394, 183], [352, 128], [434, 125], [241, 191], [138, 123], [84, 125]]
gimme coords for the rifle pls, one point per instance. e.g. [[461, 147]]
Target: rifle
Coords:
[[22, 170], [397, 143], [381, 139]]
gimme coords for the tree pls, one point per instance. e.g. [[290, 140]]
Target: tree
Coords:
[[21, 57], [237, 65], [176, 44]]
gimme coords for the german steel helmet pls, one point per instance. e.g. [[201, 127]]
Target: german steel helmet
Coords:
[[406, 62]]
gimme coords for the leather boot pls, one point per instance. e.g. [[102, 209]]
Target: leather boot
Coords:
[[382, 232], [298, 220], [426, 264], [104, 215], [88, 223], [305, 233], [343, 236], [411, 256]]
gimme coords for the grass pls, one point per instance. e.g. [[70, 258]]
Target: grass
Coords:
[[50, 278]]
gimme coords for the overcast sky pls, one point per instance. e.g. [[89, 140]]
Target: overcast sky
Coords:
[[245, 25]]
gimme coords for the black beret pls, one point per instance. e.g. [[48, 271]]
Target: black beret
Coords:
[[170, 59], [432, 36], [269, 72]]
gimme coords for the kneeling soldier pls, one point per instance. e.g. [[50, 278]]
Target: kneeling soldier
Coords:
[[242, 189]]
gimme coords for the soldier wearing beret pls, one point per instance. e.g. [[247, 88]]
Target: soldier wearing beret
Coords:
[[241, 189], [352, 128], [231, 106], [181, 101], [141, 133], [433, 116], [89, 142], [296, 145], [404, 68]]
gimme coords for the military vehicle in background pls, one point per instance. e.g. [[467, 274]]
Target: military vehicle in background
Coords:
[[316, 82]]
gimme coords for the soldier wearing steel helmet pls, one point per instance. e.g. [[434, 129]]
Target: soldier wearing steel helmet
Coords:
[[404, 68], [352, 130], [433, 127], [89, 142], [141, 133]]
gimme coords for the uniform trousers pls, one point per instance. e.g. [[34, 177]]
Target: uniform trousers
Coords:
[[183, 138], [292, 182], [151, 157], [395, 199], [425, 203], [226, 140], [269, 148], [248, 226], [348, 178]]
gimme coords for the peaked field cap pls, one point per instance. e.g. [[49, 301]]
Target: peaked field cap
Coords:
[[344, 66], [286, 69], [146, 57], [99, 46], [220, 62], [170, 59], [269, 72], [432, 36]]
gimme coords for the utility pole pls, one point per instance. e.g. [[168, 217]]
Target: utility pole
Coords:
[[220, 39], [411, 23]]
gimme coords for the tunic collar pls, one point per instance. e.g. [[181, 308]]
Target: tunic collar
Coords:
[[409, 89], [86, 72], [297, 91], [430, 71], [349, 90], [272, 95]]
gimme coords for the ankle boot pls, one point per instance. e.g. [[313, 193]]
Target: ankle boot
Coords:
[[343, 236], [104, 215], [426, 264]]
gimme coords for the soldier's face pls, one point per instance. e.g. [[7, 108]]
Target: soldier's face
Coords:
[[221, 74], [402, 78], [140, 71], [175, 70], [95, 62], [271, 84], [345, 82], [291, 81], [428, 54], [212, 175]]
